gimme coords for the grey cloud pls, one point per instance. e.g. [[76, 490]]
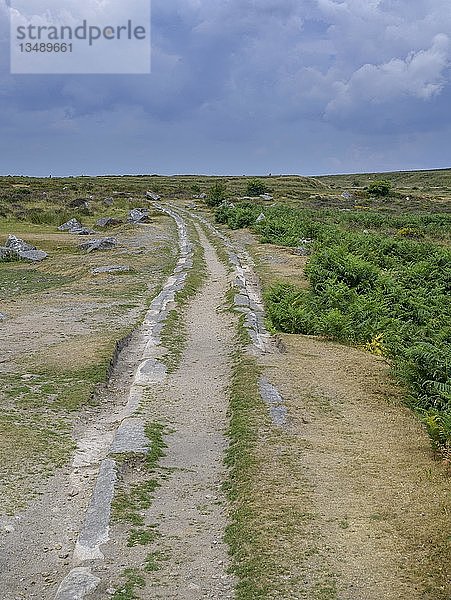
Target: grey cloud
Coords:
[[252, 83], [421, 74]]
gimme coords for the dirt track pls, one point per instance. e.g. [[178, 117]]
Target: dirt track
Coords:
[[348, 467]]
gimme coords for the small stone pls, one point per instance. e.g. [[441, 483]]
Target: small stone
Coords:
[[108, 222], [70, 225], [111, 269], [152, 196], [75, 227], [99, 244], [138, 215], [18, 245], [193, 586], [79, 203]]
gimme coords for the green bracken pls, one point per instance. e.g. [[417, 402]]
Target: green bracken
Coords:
[[372, 288]]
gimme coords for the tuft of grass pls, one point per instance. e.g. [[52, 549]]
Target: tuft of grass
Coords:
[[153, 560], [142, 536], [325, 591], [155, 434], [248, 564], [133, 579], [129, 503]]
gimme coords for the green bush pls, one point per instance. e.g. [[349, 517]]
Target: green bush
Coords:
[[379, 188], [256, 187], [217, 194]]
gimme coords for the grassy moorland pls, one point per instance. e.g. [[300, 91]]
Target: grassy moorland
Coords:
[[379, 278], [61, 321]]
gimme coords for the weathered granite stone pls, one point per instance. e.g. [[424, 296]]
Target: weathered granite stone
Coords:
[[111, 269], [75, 227], [152, 196], [138, 215], [17, 248], [99, 244], [108, 222]]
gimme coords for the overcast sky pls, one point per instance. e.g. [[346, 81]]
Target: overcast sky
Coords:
[[247, 87]]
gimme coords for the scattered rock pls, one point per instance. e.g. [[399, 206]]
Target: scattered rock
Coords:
[[261, 217], [111, 269], [108, 222], [304, 248], [152, 196], [347, 196], [99, 244], [108, 201], [302, 251], [227, 204], [75, 227], [2, 317], [200, 196], [17, 248], [70, 225], [79, 203], [18, 245], [33, 255], [138, 215], [266, 197]]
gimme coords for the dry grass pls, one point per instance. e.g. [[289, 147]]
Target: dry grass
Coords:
[[379, 499]]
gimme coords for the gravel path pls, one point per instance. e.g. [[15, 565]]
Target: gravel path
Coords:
[[188, 507]]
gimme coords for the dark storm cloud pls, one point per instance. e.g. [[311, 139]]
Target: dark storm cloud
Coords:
[[242, 85]]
